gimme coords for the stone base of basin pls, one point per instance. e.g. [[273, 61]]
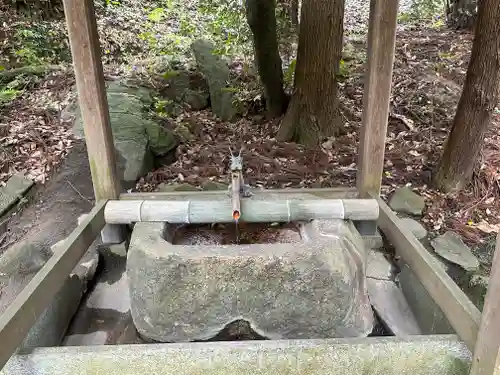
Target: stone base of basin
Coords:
[[314, 288]]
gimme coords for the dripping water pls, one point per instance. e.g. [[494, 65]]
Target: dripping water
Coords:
[[236, 232]]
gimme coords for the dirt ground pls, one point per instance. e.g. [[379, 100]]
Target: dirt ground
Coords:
[[53, 208]]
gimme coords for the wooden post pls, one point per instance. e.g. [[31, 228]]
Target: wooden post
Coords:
[[86, 51], [486, 360], [377, 91]]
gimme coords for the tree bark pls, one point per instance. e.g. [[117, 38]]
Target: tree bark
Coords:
[[261, 18], [313, 112], [477, 103], [461, 14]]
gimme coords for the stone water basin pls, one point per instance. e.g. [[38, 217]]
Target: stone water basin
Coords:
[[287, 281]]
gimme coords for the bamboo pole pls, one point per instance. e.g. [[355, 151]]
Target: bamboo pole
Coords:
[[235, 195], [212, 211]]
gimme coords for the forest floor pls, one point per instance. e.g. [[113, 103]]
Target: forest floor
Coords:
[[429, 72]]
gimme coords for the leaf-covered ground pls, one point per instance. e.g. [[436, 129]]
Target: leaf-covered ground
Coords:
[[430, 67]]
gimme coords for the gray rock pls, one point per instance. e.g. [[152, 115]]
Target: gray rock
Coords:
[[414, 226], [51, 326], [377, 266], [406, 201], [136, 137], [391, 306], [13, 190], [216, 72], [451, 247], [477, 288], [18, 265], [428, 314], [485, 251], [118, 249], [186, 87], [312, 289]]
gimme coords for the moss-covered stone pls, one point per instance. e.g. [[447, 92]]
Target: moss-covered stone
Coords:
[[216, 72], [185, 87], [136, 136]]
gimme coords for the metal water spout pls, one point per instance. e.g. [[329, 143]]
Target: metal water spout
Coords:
[[238, 189]]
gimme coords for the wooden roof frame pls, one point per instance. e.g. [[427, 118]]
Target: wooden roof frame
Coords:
[[481, 333]]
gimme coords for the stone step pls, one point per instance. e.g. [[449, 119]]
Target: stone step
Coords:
[[415, 355]]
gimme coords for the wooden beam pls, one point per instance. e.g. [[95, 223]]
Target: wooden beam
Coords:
[[462, 314], [486, 359], [329, 193], [90, 84], [19, 317], [376, 97]]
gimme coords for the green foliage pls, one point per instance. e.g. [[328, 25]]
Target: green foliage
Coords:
[[111, 3], [289, 74], [424, 11], [12, 89], [8, 94], [156, 15], [227, 25], [162, 107], [343, 69], [38, 43]]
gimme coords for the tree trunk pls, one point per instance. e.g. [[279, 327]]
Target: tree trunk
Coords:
[[461, 14], [313, 111], [477, 103], [262, 21]]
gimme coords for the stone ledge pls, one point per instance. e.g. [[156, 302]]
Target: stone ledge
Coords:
[[418, 355]]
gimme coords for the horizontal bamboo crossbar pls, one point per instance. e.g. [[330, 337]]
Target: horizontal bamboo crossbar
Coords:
[[462, 314], [19, 317], [220, 211]]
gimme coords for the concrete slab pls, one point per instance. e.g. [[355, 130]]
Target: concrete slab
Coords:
[[391, 306], [420, 355], [104, 313]]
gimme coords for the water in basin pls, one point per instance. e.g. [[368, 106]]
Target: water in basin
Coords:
[[229, 234]]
